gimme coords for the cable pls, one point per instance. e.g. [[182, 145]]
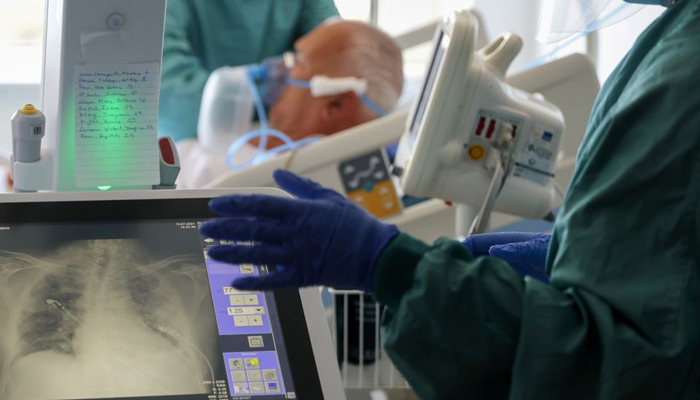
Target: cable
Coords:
[[503, 169], [559, 190], [590, 29], [262, 154]]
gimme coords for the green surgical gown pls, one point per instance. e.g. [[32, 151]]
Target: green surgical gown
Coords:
[[621, 318], [204, 35]]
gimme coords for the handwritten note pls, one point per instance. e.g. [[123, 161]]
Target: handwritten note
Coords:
[[116, 115]]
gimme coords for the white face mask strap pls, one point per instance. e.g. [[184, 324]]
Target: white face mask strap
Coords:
[[321, 85], [324, 86]]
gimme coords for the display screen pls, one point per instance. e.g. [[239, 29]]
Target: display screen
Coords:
[[135, 309], [441, 44]]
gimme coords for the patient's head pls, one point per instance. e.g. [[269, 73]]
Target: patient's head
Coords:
[[339, 49]]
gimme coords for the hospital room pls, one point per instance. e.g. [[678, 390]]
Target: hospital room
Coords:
[[349, 199]]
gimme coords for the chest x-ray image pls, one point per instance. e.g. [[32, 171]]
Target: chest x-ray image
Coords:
[[105, 318]]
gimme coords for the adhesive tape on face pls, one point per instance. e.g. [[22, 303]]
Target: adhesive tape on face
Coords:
[[325, 86]]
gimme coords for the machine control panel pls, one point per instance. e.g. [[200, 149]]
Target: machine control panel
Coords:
[[367, 182], [250, 337]]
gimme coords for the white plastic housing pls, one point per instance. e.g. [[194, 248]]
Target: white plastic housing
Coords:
[[468, 86], [27, 132], [95, 32], [227, 109]]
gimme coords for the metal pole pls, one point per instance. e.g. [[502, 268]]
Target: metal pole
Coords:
[[361, 379], [592, 47], [465, 216], [346, 299], [377, 345], [374, 12]]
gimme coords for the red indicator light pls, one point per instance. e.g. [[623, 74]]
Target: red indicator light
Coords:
[[166, 151], [480, 128], [492, 129]]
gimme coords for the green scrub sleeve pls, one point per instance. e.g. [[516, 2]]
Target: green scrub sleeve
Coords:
[[183, 76], [451, 321], [314, 13], [457, 327], [621, 318]]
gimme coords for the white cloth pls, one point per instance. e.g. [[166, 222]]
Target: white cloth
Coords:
[[199, 167]]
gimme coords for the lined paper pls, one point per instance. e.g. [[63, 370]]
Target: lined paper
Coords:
[[116, 116]]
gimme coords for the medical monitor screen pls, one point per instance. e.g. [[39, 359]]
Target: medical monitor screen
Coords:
[[134, 308], [441, 44]]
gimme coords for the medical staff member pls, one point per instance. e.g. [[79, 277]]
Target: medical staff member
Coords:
[[620, 318], [203, 35]]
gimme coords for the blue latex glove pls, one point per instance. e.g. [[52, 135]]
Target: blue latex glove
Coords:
[[321, 238], [525, 252], [391, 151]]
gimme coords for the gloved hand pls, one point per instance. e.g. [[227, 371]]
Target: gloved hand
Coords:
[[525, 252], [321, 238], [391, 151]]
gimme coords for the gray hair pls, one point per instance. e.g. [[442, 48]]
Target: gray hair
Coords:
[[374, 56]]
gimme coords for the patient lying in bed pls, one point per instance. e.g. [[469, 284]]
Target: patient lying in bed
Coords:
[[336, 49]]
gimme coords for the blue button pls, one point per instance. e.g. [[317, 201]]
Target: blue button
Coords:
[[548, 136]]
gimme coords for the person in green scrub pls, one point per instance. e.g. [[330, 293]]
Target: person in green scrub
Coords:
[[620, 315], [204, 35]]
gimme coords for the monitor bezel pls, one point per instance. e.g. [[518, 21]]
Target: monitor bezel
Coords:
[[421, 160], [311, 348]]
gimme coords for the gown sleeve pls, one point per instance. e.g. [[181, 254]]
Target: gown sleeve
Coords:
[[621, 318], [314, 13], [183, 76], [461, 327]]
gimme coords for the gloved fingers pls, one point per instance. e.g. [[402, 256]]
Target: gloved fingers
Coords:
[[475, 247], [237, 229], [254, 206], [303, 188], [534, 250], [528, 258], [510, 252], [538, 249], [391, 151], [274, 281], [479, 245], [266, 254]]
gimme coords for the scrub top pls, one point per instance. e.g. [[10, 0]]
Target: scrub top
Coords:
[[203, 35], [621, 318]]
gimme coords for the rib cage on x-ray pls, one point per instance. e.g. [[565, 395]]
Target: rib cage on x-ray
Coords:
[[101, 319]]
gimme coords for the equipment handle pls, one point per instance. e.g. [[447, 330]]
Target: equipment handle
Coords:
[[499, 54]]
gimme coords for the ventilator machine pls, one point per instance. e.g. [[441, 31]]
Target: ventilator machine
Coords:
[[473, 139]]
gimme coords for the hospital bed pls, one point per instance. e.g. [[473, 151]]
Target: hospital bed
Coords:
[[428, 220], [325, 162]]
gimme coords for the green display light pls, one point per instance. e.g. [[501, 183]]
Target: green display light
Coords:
[[110, 119]]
